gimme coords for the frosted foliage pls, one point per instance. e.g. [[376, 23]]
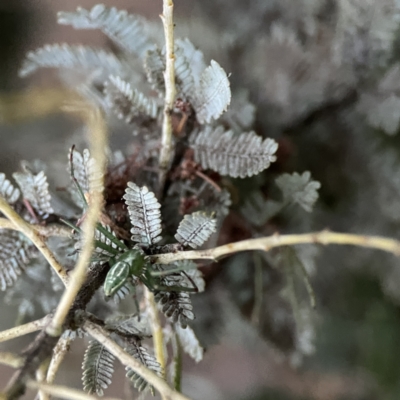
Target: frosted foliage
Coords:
[[8, 191], [195, 229], [299, 189], [14, 257], [213, 95], [142, 355], [189, 342], [35, 189], [126, 30], [145, 215], [154, 65], [86, 172], [241, 155], [97, 368], [71, 57], [126, 102], [193, 273]]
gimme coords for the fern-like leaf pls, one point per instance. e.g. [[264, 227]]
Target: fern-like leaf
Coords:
[[189, 65], [145, 215], [135, 325], [176, 306], [128, 104], [241, 155], [213, 94], [71, 57], [129, 287], [98, 368], [8, 191], [189, 342], [86, 172], [141, 354], [195, 229], [126, 30], [154, 65], [35, 189], [15, 255], [300, 189]]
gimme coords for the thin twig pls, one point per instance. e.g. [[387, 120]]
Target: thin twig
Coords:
[[40, 378], [23, 329], [45, 231], [158, 337], [98, 136], [269, 242], [63, 392], [170, 90], [59, 353], [11, 360], [27, 229], [103, 337]]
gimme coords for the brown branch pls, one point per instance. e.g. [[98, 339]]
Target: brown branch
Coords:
[[10, 359]]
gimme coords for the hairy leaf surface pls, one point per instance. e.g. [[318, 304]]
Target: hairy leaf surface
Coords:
[[189, 342], [141, 354], [300, 189], [128, 103], [98, 368], [195, 229], [241, 155], [71, 57], [126, 30], [14, 257], [144, 212], [35, 189], [213, 94], [8, 191]]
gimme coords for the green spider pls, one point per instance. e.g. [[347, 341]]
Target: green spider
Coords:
[[126, 263], [133, 263]]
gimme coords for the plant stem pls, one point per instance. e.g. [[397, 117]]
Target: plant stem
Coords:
[[98, 136], [23, 329], [170, 90], [12, 360], [103, 337], [37, 239], [158, 337], [59, 353], [46, 231], [63, 392], [267, 243]]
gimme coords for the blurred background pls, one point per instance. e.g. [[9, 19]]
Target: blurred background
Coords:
[[324, 77]]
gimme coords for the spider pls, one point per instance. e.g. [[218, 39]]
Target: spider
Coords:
[[126, 264]]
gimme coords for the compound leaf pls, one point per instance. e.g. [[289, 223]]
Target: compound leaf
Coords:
[[141, 354], [98, 368], [145, 215], [195, 229], [213, 95], [128, 103], [15, 255], [71, 57], [299, 189], [189, 342], [241, 155], [8, 191], [87, 174], [35, 189], [126, 30]]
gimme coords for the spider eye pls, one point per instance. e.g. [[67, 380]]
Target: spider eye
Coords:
[[116, 278]]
